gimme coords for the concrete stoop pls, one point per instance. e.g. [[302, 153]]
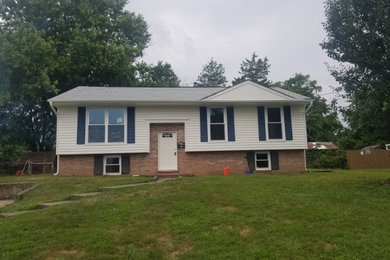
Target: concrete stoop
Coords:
[[75, 197]]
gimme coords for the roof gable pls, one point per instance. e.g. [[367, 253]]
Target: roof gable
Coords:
[[248, 91]]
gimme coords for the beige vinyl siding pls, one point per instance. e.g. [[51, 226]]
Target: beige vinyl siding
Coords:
[[246, 129]]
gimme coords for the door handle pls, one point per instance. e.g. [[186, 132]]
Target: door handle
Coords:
[[174, 153]]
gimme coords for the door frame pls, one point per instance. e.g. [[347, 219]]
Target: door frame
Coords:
[[158, 151]]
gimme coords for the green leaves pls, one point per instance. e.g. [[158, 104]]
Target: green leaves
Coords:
[[48, 47], [255, 70], [212, 75], [358, 36]]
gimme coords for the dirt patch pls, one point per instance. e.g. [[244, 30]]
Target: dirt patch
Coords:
[[245, 231], [67, 254], [182, 251], [228, 208]]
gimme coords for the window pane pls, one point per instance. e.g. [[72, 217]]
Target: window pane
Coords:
[[115, 133], [217, 132], [116, 116], [262, 164], [274, 114], [96, 116], [112, 168], [96, 134], [261, 156], [216, 115], [112, 160], [275, 131]]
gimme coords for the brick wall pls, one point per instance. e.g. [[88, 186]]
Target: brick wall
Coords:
[[76, 165], [198, 163]]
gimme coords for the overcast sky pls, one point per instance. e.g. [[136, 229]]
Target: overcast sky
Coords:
[[187, 34]]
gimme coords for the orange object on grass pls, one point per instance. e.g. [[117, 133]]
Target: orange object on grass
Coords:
[[226, 171]]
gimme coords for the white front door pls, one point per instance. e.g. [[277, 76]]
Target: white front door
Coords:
[[167, 151]]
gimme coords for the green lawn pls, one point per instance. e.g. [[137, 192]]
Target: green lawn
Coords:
[[342, 215]]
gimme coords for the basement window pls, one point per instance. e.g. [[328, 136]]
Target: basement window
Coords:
[[112, 165], [262, 160]]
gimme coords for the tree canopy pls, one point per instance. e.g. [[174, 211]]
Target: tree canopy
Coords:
[[48, 47], [159, 75], [322, 123], [255, 70], [358, 37], [212, 75]]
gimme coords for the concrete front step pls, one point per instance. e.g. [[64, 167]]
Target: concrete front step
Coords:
[[51, 204], [11, 214], [83, 195]]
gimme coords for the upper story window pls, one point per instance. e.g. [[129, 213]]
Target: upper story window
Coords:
[[217, 124], [106, 125], [274, 123], [116, 125], [96, 127]]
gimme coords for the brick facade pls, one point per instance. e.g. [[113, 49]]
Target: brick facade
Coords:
[[76, 165], [198, 163]]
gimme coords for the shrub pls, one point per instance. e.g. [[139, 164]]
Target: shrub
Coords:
[[326, 159]]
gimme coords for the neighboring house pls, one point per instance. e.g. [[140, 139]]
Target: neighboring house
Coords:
[[321, 146], [186, 130]]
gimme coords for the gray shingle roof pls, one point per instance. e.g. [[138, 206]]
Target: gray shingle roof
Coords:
[[134, 94], [152, 94], [290, 94]]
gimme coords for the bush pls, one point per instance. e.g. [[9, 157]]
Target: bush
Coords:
[[329, 159]]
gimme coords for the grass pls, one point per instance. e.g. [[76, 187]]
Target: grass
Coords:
[[342, 215], [56, 188]]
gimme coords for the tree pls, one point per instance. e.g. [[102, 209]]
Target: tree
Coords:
[[212, 75], [160, 75], [48, 47], [255, 70], [358, 38], [322, 122]]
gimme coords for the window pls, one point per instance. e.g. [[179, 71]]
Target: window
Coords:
[[116, 125], [217, 124], [112, 164], [106, 125], [274, 123], [96, 132], [262, 160]]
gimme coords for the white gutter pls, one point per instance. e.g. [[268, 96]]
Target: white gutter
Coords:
[[308, 108], [58, 164], [58, 157], [53, 108]]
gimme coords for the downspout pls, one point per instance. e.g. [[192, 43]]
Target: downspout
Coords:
[[58, 157], [304, 151]]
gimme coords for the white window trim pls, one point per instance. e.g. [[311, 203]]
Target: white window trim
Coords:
[[105, 164], [209, 124], [269, 160], [282, 121], [106, 124]]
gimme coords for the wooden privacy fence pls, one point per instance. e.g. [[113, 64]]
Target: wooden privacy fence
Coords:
[[372, 159]]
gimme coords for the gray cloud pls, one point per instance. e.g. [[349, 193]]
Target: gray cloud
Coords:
[[188, 33]]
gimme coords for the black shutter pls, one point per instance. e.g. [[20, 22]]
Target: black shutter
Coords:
[[125, 163], [131, 125], [250, 157], [287, 122], [230, 124], [274, 160], [203, 124], [261, 123], [98, 165], [81, 125]]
